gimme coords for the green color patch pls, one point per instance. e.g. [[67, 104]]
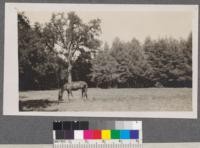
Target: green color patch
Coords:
[[115, 134]]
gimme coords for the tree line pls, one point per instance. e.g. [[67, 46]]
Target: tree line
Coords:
[[65, 49]]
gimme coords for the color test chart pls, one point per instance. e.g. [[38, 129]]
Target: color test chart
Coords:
[[83, 134]]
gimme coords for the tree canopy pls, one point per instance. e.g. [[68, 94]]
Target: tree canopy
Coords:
[[66, 49], [165, 62], [54, 48], [69, 35]]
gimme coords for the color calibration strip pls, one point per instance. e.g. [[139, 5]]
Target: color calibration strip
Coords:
[[78, 134]]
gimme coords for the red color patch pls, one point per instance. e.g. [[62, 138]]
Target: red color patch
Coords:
[[96, 134]]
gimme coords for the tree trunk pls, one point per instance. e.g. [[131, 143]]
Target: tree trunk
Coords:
[[69, 71]]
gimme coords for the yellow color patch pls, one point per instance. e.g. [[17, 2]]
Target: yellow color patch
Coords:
[[105, 134]]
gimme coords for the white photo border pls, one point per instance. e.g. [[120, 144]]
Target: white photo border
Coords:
[[11, 91]]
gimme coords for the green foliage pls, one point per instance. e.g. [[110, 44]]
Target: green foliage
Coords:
[[104, 70], [66, 48], [37, 64], [49, 52], [170, 61], [69, 35], [81, 68], [124, 65], [163, 62]]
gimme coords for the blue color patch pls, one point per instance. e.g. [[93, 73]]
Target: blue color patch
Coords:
[[134, 134], [124, 134]]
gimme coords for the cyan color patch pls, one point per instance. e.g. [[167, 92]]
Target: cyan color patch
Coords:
[[124, 134]]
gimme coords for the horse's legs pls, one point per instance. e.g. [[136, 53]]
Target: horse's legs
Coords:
[[86, 92], [68, 92], [71, 93], [82, 92], [60, 95]]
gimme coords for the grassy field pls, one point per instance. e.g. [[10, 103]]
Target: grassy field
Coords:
[[133, 99]]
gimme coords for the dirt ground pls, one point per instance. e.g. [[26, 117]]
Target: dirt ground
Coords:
[[133, 99]]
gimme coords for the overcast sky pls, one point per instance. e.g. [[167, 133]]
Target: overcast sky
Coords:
[[127, 25]]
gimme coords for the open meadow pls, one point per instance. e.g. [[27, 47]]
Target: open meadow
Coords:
[[132, 99]]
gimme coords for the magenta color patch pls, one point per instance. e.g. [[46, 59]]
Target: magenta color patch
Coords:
[[88, 134]]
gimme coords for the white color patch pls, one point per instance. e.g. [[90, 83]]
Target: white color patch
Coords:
[[78, 134]]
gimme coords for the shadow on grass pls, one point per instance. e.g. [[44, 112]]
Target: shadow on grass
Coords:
[[37, 105]]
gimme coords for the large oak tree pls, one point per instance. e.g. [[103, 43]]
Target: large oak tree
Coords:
[[67, 36]]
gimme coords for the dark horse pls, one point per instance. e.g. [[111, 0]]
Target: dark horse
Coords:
[[69, 87]]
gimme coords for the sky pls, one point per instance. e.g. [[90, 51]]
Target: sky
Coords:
[[129, 24]]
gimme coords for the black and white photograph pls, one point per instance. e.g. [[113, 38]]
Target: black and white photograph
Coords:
[[106, 59]]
